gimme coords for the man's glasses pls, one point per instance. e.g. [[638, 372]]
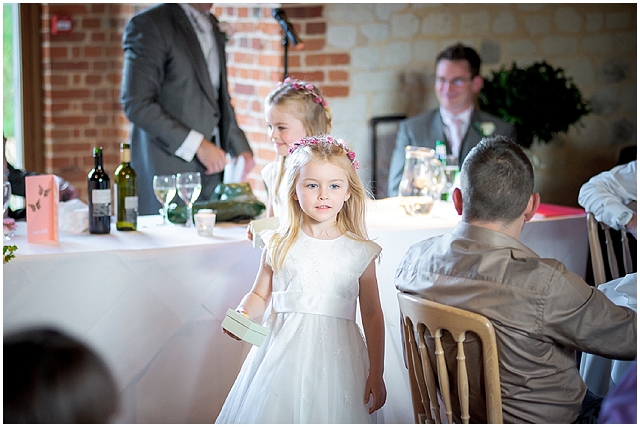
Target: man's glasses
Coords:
[[457, 82]]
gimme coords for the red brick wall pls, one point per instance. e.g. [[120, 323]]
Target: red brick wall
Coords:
[[256, 63], [82, 71], [82, 74]]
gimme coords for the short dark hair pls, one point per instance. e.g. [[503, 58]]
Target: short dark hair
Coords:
[[496, 181], [460, 52], [51, 377]]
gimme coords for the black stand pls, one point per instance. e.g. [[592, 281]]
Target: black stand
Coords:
[[285, 43]]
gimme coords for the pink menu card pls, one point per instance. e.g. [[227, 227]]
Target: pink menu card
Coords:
[[42, 198]]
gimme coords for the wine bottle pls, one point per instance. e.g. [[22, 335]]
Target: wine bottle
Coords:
[[125, 192], [441, 152], [99, 196]]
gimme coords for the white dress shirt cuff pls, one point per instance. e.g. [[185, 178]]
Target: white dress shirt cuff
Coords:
[[623, 218], [189, 147]]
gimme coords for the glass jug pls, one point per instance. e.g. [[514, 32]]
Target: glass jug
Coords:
[[422, 181]]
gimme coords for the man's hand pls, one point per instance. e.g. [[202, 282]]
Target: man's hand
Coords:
[[632, 226], [212, 158]]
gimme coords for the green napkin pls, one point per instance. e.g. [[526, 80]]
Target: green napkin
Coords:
[[232, 202]]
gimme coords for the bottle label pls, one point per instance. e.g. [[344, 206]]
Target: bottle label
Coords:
[[130, 210], [101, 196], [131, 203], [101, 202]]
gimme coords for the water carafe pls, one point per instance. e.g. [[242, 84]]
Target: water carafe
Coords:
[[422, 180]]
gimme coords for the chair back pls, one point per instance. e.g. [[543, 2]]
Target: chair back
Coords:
[[596, 249], [421, 319], [383, 140]]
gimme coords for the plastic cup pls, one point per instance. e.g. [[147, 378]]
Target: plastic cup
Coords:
[[205, 220]]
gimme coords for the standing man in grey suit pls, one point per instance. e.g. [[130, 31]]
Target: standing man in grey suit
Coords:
[[174, 91], [457, 122]]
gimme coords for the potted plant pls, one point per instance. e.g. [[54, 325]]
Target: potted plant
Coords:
[[539, 100]]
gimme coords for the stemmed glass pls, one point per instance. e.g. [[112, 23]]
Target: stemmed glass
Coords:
[[6, 196], [189, 187], [164, 187]]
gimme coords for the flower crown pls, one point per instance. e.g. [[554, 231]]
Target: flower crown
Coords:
[[308, 87], [312, 140]]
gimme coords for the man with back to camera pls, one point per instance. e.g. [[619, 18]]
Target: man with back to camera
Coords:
[[541, 312], [457, 122]]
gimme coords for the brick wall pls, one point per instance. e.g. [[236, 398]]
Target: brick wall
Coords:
[[256, 64], [369, 60], [82, 75], [82, 71]]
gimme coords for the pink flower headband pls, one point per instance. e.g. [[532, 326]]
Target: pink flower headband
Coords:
[[312, 140], [308, 87]]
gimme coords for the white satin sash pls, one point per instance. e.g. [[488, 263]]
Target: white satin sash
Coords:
[[313, 303]]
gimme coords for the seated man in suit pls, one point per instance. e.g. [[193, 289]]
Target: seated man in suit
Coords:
[[541, 312], [457, 123]]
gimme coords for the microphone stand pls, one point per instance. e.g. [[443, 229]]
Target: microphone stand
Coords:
[[285, 43], [288, 36]]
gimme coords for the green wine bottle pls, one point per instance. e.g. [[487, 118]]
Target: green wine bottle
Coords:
[[125, 192]]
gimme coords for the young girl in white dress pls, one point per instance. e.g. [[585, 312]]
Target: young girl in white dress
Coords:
[[314, 366], [293, 110]]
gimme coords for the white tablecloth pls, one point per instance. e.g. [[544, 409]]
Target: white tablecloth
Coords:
[[599, 373], [151, 302]]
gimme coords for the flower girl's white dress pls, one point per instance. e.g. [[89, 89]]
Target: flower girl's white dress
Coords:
[[313, 366]]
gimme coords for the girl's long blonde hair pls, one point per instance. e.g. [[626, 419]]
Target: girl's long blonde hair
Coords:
[[351, 219], [301, 100]]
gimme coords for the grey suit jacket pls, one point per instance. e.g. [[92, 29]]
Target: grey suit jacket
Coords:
[[166, 91], [424, 130]]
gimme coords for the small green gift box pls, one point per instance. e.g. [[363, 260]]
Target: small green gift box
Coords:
[[244, 328]]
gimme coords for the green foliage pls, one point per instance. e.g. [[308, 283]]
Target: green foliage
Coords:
[[539, 100], [8, 252], [7, 70]]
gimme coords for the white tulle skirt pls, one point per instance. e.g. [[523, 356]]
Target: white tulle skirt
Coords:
[[311, 369]]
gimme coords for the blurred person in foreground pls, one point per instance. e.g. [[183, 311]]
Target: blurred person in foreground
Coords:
[[51, 377], [542, 313], [457, 122], [620, 405]]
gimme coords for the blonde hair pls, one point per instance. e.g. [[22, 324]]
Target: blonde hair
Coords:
[[351, 219], [302, 103]]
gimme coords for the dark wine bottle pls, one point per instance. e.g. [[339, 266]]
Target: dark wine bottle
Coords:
[[99, 196], [125, 192]]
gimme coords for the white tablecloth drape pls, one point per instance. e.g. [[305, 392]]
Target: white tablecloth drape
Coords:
[[599, 373], [152, 301]]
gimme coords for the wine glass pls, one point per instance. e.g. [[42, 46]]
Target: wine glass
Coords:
[[164, 187], [6, 195], [189, 187]]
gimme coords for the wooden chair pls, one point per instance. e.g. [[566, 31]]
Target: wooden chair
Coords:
[[383, 141], [597, 259], [421, 319]]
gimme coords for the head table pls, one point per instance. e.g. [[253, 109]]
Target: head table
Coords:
[[151, 302]]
